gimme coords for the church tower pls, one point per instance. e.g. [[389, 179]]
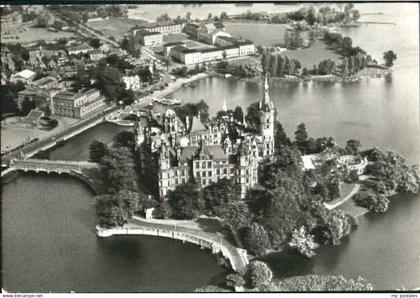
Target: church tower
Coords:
[[267, 112]]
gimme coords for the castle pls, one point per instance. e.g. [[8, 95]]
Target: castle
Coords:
[[175, 151]]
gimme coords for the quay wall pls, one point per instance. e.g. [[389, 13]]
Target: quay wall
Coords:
[[237, 262]]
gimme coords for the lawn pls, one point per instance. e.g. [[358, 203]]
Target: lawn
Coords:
[[25, 34], [115, 27], [261, 34], [313, 55]]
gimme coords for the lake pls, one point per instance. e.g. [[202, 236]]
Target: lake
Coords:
[[60, 252]]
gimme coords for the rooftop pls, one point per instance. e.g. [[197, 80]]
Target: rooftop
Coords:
[[81, 46], [215, 151], [147, 33], [43, 81], [187, 153], [26, 74], [197, 125], [67, 95], [169, 44]]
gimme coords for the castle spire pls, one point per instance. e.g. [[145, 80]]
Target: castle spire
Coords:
[[224, 105], [265, 101]]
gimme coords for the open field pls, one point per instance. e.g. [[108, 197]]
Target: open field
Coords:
[[115, 27], [261, 34], [13, 135], [313, 55], [25, 34]]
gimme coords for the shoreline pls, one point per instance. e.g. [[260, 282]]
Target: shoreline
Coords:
[[238, 258], [316, 78]]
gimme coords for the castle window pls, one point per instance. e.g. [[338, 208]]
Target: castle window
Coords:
[[209, 173], [197, 164], [224, 171], [204, 174], [203, 164], [209, 164], [218, 172]]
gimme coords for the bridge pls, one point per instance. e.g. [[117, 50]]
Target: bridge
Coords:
[[237, 257], [49, 166]]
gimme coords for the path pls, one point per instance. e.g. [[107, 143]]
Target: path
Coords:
[[335, 204], [182, 230]]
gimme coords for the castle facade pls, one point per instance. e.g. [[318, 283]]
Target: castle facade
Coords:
[[174, 151]]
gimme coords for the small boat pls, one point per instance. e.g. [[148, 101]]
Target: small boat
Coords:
[[227, 75]]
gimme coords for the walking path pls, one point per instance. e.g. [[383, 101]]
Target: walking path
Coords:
[[335, 204], [185, 231]]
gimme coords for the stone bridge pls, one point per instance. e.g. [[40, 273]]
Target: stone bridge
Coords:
[[49, 166]]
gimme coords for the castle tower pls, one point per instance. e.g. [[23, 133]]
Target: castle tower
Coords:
[[224, 105], [267, 112]]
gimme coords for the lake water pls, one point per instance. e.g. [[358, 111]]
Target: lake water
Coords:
[[49, 244], [77, 148], [48, 222]]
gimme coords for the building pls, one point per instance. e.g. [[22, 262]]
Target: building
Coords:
[[191, 29], [79, 49], [132, 82], [39, 97], [168, 46], [78, 105], [26, 76], [45, 83], [163, 28], [148, 38], [173, 151], [96, 55], [10, 21], [209, 32], [194, 56]]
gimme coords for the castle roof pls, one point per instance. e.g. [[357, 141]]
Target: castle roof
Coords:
[[215, 151], [197, 125], [187, 153]]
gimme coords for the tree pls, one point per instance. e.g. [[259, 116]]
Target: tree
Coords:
[[117, 168], [124, 139], [186, 201], [218, 194], [238, 114], [234, 280], [253, 116], [257, 240], [310, 16], [224, 16], [319, 283], [389, 58], [116, 209], [97, 150], [331, 225], [326, 67], [303, 242], [301, 137], [94, 43], [259, 274], [377, 203], [27, 106], [235, 214], [352, 146], [280, 137]]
